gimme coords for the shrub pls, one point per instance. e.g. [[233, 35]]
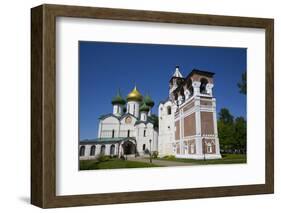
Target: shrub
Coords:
[[154, 154], [102, 158], [169, 157], [146, 151]]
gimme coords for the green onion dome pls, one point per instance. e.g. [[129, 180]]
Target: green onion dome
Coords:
[[144, 107], [134, 95], [118, 99], [149, 102]]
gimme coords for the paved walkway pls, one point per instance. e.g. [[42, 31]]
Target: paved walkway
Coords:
[[160, 162]]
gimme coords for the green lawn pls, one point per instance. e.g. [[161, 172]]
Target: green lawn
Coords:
[[226, 159], [112, 164]]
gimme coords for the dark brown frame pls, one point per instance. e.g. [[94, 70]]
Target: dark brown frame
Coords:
[[43, 105]]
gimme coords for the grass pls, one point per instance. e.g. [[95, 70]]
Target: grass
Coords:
[[112, 164], [226, 159]]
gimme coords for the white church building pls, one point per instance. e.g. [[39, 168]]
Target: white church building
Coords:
[[129, 130], [186, 128]]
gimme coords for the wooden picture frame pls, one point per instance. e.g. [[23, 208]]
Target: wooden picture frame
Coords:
[[43, 105]]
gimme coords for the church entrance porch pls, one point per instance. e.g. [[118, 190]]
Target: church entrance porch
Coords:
[[128, 148]]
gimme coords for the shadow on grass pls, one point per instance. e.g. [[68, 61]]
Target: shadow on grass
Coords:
[[113, 164]]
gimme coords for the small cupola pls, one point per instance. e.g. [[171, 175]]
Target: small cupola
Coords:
[[148, 101], [118, 100], [144, 109]]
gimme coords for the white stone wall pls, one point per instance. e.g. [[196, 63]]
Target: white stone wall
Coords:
[[107, 125], [166, 129], [150, 134]]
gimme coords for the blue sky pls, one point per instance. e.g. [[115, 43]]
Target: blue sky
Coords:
[[104, 67]]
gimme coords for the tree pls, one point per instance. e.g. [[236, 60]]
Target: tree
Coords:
[[226, 132], [232, 132], [243, 84], [241, 134], [225, 116]]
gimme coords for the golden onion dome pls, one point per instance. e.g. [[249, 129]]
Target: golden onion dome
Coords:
[[134, 95]]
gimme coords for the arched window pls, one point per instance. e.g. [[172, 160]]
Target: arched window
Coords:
[[203, 85], [144, 133], [82, 151], [128, 133], [169, 110], [112, 149], [93, 150], [143, 147], [102, 150], [113, 133]]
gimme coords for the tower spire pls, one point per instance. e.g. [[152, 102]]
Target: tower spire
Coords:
[[177, 72]]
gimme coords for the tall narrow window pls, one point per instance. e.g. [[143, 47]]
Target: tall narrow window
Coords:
[[82, 151], [113, 133], [143, 147], [209, 148], [93, 150], [112, 149], [134, 108], [128, 133], [144, 133], [169, 110], [102, 150]]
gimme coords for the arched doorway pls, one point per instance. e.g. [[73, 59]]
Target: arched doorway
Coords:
[[129, 148]]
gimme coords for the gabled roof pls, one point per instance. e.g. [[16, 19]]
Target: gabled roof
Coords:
[[102, 117], [105, 140], [127, 114]]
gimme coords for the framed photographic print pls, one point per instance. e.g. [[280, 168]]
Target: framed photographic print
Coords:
[[136, 106]]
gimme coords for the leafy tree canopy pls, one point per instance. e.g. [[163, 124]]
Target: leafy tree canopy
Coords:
[[232, 132], [243, 84], [225, 116]]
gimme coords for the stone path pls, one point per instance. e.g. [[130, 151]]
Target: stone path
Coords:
[[160, 162]]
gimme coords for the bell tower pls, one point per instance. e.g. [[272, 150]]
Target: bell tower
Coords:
[[194, 117], [175, 82]]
